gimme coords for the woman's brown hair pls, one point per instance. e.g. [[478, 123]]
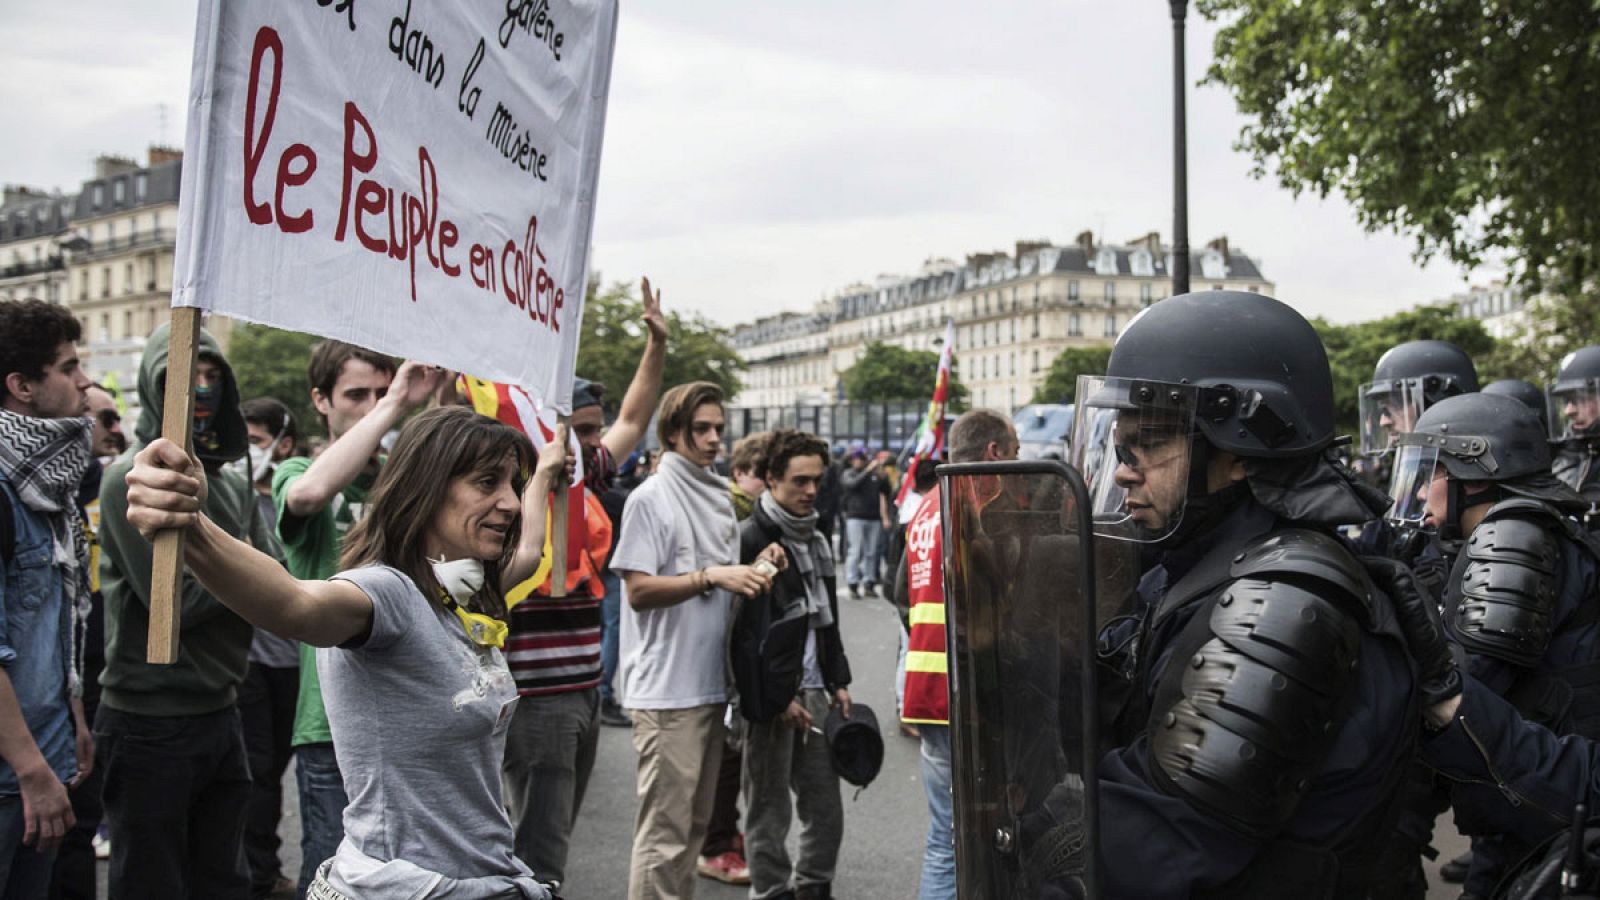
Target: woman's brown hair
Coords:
[[433, 450]]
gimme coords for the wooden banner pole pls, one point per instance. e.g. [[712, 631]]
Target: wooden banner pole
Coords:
[[558, 519], [177, 425]]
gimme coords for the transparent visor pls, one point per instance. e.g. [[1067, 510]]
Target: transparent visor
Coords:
[[1411, 485], [1575, 411], [1131, 440], [1388, 410]]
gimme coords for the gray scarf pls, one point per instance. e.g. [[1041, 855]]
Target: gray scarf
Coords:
[[702, 499], [44, 459], [808, 552]]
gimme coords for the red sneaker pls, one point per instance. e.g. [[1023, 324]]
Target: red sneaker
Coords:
[[728, 868]]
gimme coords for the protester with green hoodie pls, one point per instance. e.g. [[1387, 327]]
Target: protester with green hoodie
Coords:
[[176, 778]]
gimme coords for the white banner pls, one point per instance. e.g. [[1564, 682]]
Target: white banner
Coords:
[[417, 178]]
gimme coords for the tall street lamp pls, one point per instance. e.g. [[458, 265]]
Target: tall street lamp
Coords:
[[1180, 157]]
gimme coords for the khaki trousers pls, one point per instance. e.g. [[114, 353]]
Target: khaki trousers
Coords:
[[680, 751]]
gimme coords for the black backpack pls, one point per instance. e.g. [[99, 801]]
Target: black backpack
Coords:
[[768, 653]]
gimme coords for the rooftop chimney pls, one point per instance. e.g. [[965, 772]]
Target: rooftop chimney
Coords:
[[1220, 245], [1151, 242], [1026, 247], [1086, 241], [107, 165], [160, 154]]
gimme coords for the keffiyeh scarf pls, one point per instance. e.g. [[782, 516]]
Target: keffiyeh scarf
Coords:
[[44, 459], [809, 553]]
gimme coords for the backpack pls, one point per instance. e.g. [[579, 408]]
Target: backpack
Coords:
[[768, 653]]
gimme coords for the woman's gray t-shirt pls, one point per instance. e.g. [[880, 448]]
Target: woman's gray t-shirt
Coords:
[[419, 716]]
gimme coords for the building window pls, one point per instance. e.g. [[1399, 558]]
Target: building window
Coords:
[[1255, 288], [119, 191], [105, 326], [1216, 287], [1074, 326], [1035, 324], [1144, 294], [1035, 360], [127, 278], [127, 324], [1072, 290], [140, 183], [1111, 293], [1111, 326], [105, 281], [99, 195], [1013, 362]]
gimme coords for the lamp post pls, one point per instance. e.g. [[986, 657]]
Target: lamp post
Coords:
[[1180, 157]]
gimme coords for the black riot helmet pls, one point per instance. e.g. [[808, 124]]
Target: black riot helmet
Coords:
[[1575, 397], [1244, 372], [1525, 392], [1475, 437], [1408, 379]]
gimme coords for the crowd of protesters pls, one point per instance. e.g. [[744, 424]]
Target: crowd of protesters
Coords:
[[323, 588]]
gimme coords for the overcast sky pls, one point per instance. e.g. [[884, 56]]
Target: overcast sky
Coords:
[[760, 156]]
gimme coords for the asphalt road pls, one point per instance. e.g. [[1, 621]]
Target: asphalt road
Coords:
[[885, 824]]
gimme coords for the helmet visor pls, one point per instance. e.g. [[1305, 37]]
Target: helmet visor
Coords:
[[1575, 410], [1132, 440], [1388, 410], [1415, 468]]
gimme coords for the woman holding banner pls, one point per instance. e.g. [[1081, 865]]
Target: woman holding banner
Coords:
[[417, 689]]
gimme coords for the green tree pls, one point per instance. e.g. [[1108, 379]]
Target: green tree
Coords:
[[1061, 381], [269, 362], [1353, 350], [1469, 126], [888, 372], [613, 337]]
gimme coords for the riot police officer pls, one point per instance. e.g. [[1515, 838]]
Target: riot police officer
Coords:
[[1525, 392], [1408, 379], [1575, 425], [1520, 597], [1267, 708]]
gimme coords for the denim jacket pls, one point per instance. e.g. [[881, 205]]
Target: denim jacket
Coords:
[[35, 642]]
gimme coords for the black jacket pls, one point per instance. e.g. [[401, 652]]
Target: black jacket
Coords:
[[769, 635]]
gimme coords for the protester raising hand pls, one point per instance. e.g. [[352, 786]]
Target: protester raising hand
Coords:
[[653, 318]]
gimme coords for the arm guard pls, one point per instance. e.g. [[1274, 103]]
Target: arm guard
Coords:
[[1257, 684], [1503, 604]]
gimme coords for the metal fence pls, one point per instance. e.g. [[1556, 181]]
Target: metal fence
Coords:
[[875, 425]]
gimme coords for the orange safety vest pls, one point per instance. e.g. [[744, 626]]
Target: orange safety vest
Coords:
[[927, 664]]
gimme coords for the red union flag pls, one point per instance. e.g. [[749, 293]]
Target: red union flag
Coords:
[[930, 434], [418, 178]]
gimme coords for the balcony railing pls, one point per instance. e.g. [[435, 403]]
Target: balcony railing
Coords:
[[162, 237], [18, 270]]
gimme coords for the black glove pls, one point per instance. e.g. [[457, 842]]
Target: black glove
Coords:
[[1438, 676]]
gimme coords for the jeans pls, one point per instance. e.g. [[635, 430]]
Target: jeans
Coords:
[[939, 856], [322, 803], [610, 625], [175, 795], [550, 750], [266, 710], [860, 565], [24, 872], [778, 760]]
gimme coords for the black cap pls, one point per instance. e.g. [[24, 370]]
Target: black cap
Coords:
[[586, 393]]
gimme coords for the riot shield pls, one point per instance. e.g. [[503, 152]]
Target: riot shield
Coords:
[[1020, 597]]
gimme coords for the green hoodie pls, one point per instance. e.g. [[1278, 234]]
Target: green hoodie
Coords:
[[214, 642]]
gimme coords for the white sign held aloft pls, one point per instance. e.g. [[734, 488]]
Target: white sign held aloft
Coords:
[[417, 178]]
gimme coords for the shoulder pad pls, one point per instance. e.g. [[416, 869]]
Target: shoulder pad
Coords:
[[1503, 603], [1242, 723], [1305, 556]]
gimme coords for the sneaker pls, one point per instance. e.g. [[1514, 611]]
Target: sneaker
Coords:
[[728, 868], [870, 588], [612, 714], [855, 593], [101, 844], [910, 730]]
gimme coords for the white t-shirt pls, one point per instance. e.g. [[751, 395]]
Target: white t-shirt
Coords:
[[671, 658]]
